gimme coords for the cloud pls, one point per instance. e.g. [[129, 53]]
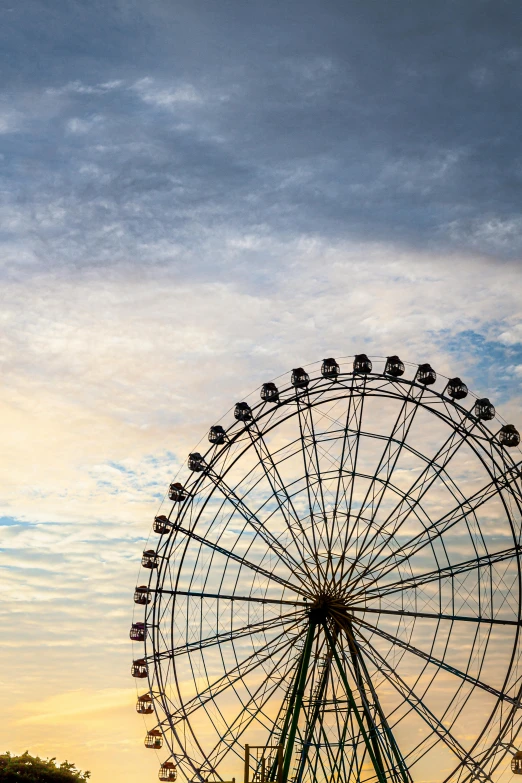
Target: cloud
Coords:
[[167, 98], [379, 142], [78, 88], [10, 121]]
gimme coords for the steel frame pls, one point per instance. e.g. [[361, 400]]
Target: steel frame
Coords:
[[331, 596]]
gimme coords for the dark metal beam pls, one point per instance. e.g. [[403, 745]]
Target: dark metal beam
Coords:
[[435, 616], [303, 672], [380, 772], [221, 596]]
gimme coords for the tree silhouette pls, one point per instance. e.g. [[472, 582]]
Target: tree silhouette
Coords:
[[32, 769]]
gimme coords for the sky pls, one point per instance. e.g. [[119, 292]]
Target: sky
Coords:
[[196, 197]]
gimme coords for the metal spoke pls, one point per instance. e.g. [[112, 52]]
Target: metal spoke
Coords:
[[436, 616], [421, 709], [387, 462], [313, 475], [445, 523], [434, 468], [222, 596], [446, 572], [239, 559], [440, 664], [280, 493], [251, 709], [235, 675], [269, 539], [349, 455], [227, 636]]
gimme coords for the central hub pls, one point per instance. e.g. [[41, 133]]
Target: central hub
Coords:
[[328, 605]]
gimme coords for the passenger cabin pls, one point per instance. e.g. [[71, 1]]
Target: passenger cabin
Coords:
[[162, 523], [509, 436], [177, 492], [330, 369], [168, 771], [394, 367], [362, 364], [426, 374], [217, 435], [137, 632], [142, 595], [196, 462], [269, 392], [154, 739], [243, 411], [516, 763], [456, 389], [150, 559], [139, 669], [484, 410], [299, 378], [144, 704]]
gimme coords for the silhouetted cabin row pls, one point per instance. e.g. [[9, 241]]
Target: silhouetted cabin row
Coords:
[[455, 388]]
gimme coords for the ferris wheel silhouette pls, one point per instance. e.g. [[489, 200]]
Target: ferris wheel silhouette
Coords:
[[335, 592]]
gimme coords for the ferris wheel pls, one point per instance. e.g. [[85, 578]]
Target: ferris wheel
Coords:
[[335, 591]]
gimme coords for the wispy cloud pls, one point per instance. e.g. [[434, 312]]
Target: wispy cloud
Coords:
[[79, 88], [60, 708]]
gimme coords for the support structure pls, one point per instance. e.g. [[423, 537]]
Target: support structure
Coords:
[[267, 769], [362, 706]]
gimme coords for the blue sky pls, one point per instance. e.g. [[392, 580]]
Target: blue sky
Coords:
[[194, 198]]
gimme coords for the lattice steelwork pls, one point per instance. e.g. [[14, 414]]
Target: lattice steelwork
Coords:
[[339, 574]]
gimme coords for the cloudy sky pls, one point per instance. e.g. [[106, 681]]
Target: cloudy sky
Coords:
[[195, 197]]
